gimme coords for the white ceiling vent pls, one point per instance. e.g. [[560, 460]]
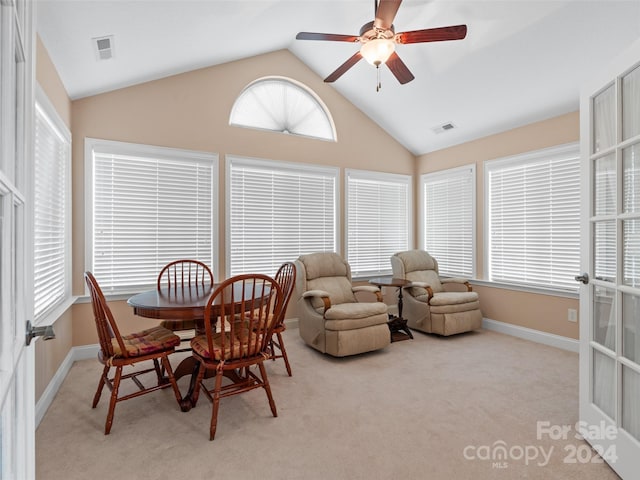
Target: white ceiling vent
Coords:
[[103, 47], [445, 127]]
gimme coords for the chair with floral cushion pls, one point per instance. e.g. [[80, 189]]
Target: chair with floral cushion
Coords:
[[184, 274], [239, 320], [117, 351], [286, 278]]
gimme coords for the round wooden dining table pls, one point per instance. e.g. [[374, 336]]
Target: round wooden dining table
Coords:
[[181, 303], [172, 303], [176, 304]]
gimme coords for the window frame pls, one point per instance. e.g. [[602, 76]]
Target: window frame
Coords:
[[282, 166], [50, 115], [422, 220], [382, 177], [294, 84], [572, 149], [152, 151]]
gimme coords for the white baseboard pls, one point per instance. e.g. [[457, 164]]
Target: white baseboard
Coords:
[[545, 338], [75, 354]]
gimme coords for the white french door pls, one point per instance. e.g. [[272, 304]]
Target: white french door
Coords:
[[16, 292], [610, 296]]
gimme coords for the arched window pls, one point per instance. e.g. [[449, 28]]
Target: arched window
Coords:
[[282, 105]]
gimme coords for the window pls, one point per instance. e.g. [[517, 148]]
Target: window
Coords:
[[533, 218], [448, 202], [285, 106], [148, 206], [52, 207], [276, 212], [378, 220]]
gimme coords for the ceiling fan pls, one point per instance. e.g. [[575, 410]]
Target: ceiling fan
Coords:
[[378, 39]]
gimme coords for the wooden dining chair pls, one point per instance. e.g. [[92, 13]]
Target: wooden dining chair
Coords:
[[286, 278], [239, 320], [117, 351], [182, 274]]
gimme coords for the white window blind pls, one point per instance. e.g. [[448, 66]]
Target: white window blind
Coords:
[[278, 211], [378, 220], [151, 206], [51, 209], [533, 218], [449, 204]]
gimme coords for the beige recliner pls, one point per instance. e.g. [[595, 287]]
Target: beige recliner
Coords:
[[430, 305], [331, 319]]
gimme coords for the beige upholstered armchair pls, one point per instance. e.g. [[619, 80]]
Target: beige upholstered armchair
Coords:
[[331, 319], [430, 305]]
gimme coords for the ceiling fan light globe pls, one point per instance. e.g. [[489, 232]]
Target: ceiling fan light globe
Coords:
[[377, 50]]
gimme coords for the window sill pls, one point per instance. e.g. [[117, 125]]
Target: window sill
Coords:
[[553, 292], [52, 317], [115, 297]]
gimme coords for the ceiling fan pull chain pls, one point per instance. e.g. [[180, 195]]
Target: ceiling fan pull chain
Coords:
[[378, 84]]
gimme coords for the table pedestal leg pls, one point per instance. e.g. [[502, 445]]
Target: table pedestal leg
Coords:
[[399, 324]]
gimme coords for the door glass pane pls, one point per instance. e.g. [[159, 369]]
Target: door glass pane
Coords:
[[604, 317], [605, 250], [631, 252], [631, 327], [604, 383], [8, 433], [604, 114], [1, 448], [631, 178], [630, 403], [631, 104], [604, 184]]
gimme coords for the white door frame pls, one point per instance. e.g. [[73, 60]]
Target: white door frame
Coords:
[[17, 364], [604, 433]]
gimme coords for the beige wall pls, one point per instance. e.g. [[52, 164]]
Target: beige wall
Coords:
[[191, 111], [541, 312], [48, 78]]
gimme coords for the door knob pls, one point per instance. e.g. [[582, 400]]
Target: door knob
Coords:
[[45, 332], [584, 278]]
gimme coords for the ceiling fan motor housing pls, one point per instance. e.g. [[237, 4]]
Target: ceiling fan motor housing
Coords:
[[370, 32]]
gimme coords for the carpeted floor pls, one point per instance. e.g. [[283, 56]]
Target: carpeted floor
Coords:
[[473, 406]]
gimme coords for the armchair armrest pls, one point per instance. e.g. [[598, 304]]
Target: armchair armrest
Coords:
[[424, 285], [370, 289], [462, 281], [319, 293]]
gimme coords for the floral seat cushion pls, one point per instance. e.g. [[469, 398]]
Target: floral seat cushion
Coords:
[[146, 342], [241, 345]]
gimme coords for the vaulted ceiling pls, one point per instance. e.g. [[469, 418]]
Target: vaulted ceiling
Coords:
[[522, 60]]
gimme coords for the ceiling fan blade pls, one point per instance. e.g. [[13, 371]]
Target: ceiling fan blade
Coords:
[[386, 12], [326, 36], [343, 68], [399, 69], [454, 32]]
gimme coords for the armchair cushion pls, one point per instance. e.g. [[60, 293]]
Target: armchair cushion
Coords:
[[430, 277], [338, 288], [355, 324], [355, 310], [453, 298]]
